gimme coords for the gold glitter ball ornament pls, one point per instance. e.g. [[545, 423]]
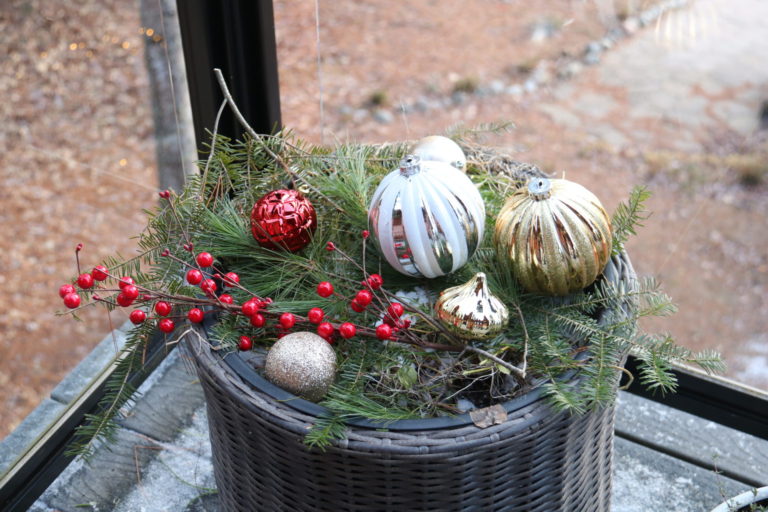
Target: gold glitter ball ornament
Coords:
[[437, 148], [471, 311], [555, 235], [302, 363]]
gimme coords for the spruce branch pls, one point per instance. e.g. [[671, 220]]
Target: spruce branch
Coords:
[[628, 217]]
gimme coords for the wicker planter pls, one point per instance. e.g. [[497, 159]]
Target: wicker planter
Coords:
[[537, 460]]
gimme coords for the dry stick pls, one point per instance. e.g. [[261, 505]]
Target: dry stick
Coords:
[[514, 369], [213, 144], [526, 339], [252, 133]]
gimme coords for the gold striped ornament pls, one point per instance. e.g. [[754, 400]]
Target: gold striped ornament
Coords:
[[556, 236]]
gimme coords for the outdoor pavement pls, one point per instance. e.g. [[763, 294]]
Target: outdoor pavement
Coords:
[[698, 69]]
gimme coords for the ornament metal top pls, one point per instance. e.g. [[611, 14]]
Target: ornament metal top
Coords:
[[427, 218], [556, 236], [471, 311], [436, 148]]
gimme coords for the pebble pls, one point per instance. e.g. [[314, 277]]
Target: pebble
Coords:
[[383, 116], [514, 90], [530, 85], [497, 86], [631, 25], [543, 31]]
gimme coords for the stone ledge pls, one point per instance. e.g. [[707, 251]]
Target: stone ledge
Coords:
[[91, 366], [18, 442]]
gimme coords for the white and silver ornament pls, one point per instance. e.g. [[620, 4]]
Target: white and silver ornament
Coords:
[[436, 148], [302, 363], [427, 218]]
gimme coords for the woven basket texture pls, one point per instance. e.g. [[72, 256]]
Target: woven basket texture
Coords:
[[536, 461]]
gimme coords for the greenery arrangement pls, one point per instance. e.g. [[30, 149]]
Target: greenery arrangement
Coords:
[[419, 370]]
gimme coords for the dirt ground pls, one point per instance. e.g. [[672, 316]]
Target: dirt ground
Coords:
[[77, 159]]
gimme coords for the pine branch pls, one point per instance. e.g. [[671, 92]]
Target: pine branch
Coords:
[[628, 217]]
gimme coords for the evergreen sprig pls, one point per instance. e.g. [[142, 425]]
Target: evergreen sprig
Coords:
[[629, 216]]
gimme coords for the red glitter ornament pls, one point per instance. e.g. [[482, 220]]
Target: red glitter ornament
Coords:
[[283, 219]]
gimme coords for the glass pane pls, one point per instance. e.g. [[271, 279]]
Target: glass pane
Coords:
[[612, 93], [78, 164]]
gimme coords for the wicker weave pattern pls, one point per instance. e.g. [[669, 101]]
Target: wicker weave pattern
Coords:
[[536, 461]]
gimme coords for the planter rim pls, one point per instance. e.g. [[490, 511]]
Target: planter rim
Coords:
[[252, 377]]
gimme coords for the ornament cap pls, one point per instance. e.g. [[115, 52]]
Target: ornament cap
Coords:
[[410, 165], [540, 188]]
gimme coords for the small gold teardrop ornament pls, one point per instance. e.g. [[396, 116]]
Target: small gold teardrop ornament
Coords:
[[471, 311], [555, 235]]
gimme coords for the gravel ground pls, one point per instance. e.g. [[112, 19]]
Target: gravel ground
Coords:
[[77, 154]]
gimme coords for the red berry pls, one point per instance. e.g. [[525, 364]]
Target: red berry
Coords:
[[258, 320], [137, 316], [204, 259], [194, 276], [166, 325], [208, 286], [325, 329], [195, 315], [226, 298], [165, 194], [325, 289], [85, 281], [66, 289], [251, 307], [395, 310], [347, 330], [330, 246], [231, 279], [99, 272], [364, 297], [315, 315], [72, 300], [375, 281], [244, 343], [130, 292], [123, 300], [162, 308], [287, 320], [365, 234], [356, 306], [383, 332], [125, 281]]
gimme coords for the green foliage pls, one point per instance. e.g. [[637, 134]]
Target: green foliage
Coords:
[[628, 217], [546, 341]]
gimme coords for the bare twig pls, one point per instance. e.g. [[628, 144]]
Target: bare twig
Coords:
[[526, 339], [272, 154], [514, 369]]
